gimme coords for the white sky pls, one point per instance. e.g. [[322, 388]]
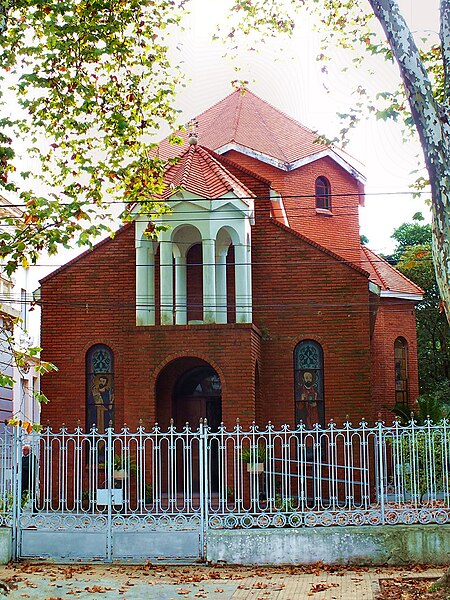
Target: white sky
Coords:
[[286, 74]]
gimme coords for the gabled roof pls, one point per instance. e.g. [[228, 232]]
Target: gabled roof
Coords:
[[392, 282], [244, 122], [198, 172]]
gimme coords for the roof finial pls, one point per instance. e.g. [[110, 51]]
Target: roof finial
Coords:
[[193, 132]]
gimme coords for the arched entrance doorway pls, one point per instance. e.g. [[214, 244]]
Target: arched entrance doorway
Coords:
[[198, 395], [189, 389]]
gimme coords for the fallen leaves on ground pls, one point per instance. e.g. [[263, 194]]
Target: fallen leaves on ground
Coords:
[[411, 588], [321, 587], [97, 589]]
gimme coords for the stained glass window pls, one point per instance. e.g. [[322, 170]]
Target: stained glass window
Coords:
[[323, 193], [401, 371], [308, 371], [99, 387]]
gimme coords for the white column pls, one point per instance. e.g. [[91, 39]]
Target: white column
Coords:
[[166, 281], [209, 281], [249, 304], [243, 284], [145, 283], [180, 291], [221, 287]]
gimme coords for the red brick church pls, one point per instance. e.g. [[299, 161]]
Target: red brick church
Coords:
[[257, 301]]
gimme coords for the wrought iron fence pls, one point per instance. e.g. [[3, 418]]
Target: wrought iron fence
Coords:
[[229, 478], [8, 448]]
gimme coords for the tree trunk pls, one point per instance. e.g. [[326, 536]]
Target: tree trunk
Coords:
[[432, 122]]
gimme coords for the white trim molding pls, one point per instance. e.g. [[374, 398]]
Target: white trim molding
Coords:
[[401, 295], [286, 166]]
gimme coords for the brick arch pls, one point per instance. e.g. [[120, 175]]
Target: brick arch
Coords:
[[80, 358], [168, 375], [184, 354], [314, 338]]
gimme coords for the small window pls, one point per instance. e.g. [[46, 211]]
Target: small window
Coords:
[[309, 397], [99, 388], [401, 371], [323, 193]]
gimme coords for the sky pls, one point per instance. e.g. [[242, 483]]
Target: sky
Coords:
[[286, 74]]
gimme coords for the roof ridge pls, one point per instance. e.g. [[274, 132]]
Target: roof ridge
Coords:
[[188, 163], [374, 266], [219, 168], [380, 258], [322, 248], [237, 114], [263, 121]]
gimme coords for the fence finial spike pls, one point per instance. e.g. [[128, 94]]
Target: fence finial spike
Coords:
[[110, 424], [140, 421], [171, 420], [379, 415], [238, 420]]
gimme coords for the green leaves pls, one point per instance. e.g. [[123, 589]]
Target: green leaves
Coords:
[[94, 82]]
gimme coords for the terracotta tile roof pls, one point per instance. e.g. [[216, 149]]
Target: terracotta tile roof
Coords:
[[198, 172], [245, 119], [386, 276]]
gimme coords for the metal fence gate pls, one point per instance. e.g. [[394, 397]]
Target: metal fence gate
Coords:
[[155, 495]]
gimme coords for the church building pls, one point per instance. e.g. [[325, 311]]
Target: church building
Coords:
[[257, 300]]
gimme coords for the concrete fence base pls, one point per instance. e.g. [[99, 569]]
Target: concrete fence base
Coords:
[[393, 545], [5, 545]]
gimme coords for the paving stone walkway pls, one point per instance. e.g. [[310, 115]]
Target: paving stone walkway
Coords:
[[163, 582]]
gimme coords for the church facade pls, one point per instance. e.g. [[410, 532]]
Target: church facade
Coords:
[[257, 300]]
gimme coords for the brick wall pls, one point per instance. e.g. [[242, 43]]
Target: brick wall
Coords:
[[338, 232], [298, 292], [395, 318]]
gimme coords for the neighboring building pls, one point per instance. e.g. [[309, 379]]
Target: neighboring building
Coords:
[[18, 329], [258, 301]]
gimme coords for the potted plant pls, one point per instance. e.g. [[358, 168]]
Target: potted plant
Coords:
[[254, 457], [123, 467]]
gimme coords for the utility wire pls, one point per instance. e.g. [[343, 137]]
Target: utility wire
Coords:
[[255, 197]]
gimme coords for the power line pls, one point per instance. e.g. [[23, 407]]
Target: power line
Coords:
[[87, 304], [255, 197], [253, 263]]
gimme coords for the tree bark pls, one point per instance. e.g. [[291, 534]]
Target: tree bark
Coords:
[[432, 123]]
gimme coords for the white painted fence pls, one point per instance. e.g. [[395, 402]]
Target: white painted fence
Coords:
[[117, 485]]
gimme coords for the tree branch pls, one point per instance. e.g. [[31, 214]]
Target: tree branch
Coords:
[[425, 109]]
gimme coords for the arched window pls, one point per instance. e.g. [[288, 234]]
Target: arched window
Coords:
[[401, 371], [308, 370], [323, 193], [99, 387]]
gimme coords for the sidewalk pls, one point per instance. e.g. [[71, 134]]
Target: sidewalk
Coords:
[[40, 581]]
